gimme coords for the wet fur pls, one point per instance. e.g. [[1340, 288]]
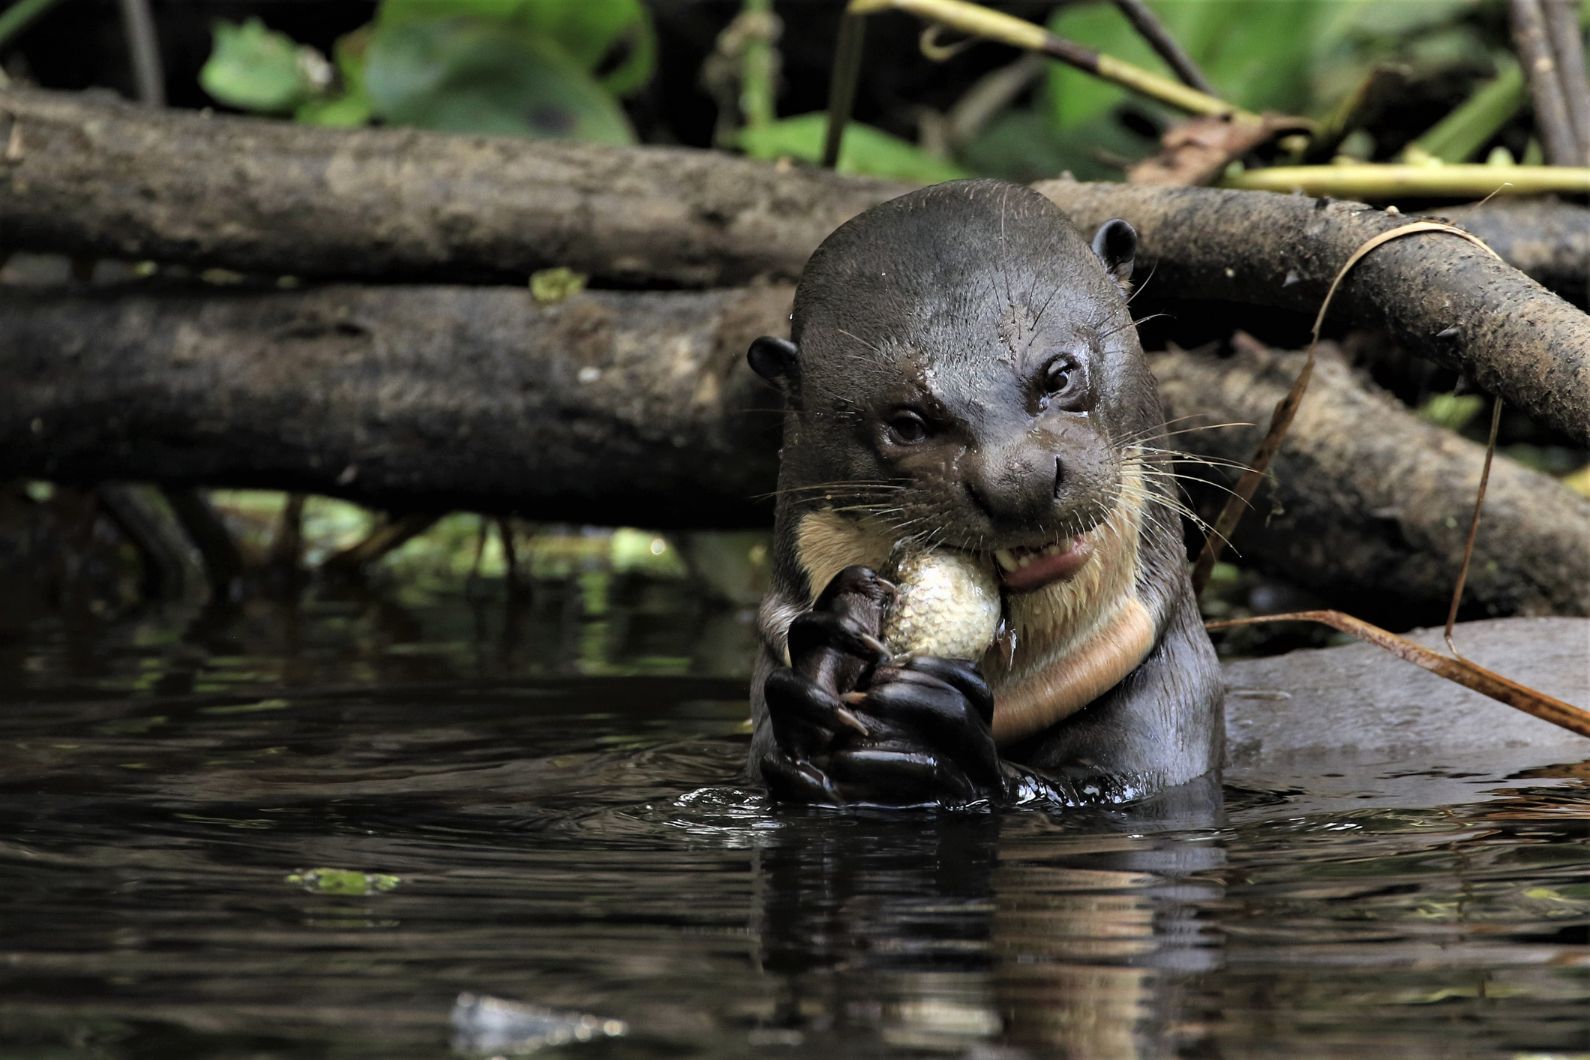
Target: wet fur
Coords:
[[952, 288]]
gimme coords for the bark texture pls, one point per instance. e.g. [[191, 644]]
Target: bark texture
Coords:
[[1546, 239], [1436, 294], [1366, 501], [606, 408], [96, 176]]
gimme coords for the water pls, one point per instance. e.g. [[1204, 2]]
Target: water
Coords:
[[557, 790]]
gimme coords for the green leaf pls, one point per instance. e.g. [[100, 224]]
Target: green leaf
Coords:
[[1452, 411], [471, 75], [1258, 54], [349, 111], [255, 68], [1021, 145], [590, 32], [399, 12], [345, 882], [593, 31], [865, 149]]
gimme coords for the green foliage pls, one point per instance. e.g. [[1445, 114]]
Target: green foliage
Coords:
[[469, 75], [1452, 411], [592, 30], [543, 68], [255, 68], [1293, 56], [343, 882], [551, 286], [865, 149]]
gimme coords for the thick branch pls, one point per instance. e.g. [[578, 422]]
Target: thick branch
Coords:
[[1369, 503], [1437, 295], [101, 177], [607, 408], [1546, 239]]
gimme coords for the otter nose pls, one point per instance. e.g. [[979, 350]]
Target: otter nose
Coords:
[[1014, 487]]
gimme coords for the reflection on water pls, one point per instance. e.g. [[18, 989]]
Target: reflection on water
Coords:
[[557, 789]]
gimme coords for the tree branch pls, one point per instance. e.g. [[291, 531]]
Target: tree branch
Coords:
[[1535, 55], [606, 408], [1368, 505], [1151, 30], [105, 178]]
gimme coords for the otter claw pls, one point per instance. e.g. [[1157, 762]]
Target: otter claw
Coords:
[[849, 720]]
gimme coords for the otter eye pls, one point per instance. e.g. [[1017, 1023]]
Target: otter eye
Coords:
[[1059, 375], [907, 427]]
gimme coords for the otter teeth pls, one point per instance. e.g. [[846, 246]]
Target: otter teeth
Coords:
[[1011, 559]]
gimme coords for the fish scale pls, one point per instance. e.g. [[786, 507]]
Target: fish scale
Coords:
[[948, 605]]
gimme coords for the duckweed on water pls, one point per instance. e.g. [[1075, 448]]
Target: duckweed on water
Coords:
[[342, 881]]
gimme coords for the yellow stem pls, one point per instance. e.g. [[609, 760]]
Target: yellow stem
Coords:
[[1168, 91], [1373, 181]]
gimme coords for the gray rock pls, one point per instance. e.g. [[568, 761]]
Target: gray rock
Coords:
[[1359, 700]]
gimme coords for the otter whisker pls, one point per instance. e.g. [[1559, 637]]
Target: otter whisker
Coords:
[[1152, 432], [1162, 474], [1165, 456], [1171, 504], [1004, 249], [1130, 323], [1140, 287]]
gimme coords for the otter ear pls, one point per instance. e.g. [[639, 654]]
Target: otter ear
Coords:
[[1116, 245], [776, 360]]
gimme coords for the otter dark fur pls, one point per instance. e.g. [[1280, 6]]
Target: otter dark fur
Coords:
[[964, 373]]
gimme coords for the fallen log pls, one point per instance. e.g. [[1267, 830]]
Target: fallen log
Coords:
[[1368, 504], [617, 408], [97, 177], [637, 409]]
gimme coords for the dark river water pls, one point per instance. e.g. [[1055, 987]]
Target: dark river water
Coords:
[[555, 792]]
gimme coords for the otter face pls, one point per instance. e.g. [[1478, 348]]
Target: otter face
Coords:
[[965, 372]]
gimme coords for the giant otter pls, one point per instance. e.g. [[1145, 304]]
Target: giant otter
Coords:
[[964, 373]]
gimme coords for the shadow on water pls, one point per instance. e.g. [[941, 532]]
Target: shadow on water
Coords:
[[558, 790]]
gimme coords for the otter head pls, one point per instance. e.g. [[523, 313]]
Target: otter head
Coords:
[[964, 373]]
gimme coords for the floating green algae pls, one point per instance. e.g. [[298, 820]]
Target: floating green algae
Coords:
[[342, 881]]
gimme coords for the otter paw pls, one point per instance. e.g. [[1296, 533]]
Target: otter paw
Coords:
[[929, 736], [806, 715]]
